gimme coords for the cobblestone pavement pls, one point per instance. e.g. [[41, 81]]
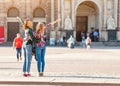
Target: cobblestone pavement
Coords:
[[66, 65]]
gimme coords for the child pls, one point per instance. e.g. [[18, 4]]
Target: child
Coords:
[[17, 43]]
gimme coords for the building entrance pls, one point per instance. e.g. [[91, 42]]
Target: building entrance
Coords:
[[87, 19], [81, 26], [12, 24], [13, 29]]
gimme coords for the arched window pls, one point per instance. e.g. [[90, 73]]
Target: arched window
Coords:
[[39, 13], [13, 12]]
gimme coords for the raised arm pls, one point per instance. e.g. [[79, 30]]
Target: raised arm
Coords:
[[52, 23], [20, 20], [58, 20]]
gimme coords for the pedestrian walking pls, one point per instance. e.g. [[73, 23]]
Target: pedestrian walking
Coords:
[[88, 42], [64, 41], [95, 34], [40, 45], [17, 43], [83, 42], [61, 42]]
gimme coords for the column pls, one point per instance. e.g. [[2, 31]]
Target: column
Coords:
[[28, 8], [58, 12], [105, 12], [115, 11], [73, 18], [52, 11], [73, 12], [62, 12]]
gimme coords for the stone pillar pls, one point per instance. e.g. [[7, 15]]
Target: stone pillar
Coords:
[[100, 24], [115, 11], [73, 12], [62, 5], [73, 18], [59, 12], [27, 8], [119, 14], [105, 12], [52, 12]]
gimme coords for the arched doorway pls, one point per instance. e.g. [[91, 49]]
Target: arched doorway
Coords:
[[87, 18], [39, 15], [12, 23]]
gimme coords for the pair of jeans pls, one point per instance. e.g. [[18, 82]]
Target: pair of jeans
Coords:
[[40, 55], [27, 57], [18, 52]]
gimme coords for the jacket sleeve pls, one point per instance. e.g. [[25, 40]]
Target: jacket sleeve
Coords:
[[31, 33]]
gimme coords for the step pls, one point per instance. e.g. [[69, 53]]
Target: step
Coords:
[[60, 82]]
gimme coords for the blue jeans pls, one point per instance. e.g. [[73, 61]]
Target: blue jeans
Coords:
[[19, 53], [27, 57], [40, 55]]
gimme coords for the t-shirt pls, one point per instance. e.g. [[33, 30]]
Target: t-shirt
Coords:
[[18, 42]]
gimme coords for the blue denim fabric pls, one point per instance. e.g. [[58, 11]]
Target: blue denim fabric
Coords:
[[27, 58], [40, 55], [18, 52]]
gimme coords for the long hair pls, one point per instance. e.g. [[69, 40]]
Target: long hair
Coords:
[[27, 24], [40, 28]]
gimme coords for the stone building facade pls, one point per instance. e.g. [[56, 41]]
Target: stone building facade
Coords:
[[84, 14]]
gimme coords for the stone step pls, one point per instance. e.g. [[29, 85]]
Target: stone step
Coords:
[[93, 43], [112, 43], [78, 44], [55, 82], [6, 44]]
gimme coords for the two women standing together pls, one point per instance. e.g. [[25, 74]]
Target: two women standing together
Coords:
[[36, 39]]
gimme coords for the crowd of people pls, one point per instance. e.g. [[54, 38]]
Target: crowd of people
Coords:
[[94, 35]]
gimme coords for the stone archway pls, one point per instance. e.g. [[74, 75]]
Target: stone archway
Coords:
[[39, 15], [87, 17], [12, 23]]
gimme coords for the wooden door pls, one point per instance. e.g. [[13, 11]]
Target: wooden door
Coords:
[[13, 29], [81, 26]]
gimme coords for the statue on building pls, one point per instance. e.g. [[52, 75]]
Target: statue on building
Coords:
[[110, 23], [68, 23]]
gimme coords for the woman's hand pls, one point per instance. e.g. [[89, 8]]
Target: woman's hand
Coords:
[[58, 20]]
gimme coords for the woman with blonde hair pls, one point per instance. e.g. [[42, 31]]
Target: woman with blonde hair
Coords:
[[40, 45], [27, 46]]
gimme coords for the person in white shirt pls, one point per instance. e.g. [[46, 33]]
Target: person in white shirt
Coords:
[[70, 42]]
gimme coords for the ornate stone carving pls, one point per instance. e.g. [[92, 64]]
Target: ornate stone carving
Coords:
[[110, 23], [68, 23]]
